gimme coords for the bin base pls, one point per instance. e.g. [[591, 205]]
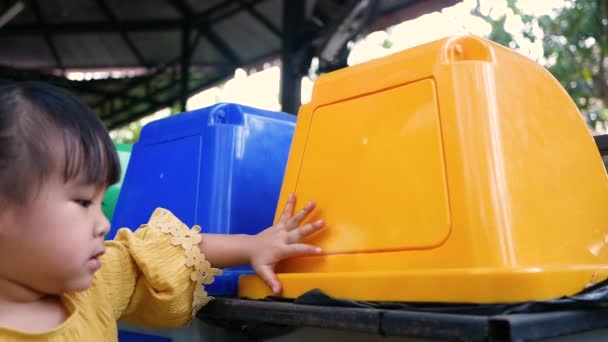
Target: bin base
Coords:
[[480, 285]]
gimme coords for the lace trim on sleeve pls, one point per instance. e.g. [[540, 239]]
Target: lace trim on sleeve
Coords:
[[189, 239]]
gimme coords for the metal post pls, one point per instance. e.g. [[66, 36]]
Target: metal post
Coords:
[[293, 18], [185, 65]]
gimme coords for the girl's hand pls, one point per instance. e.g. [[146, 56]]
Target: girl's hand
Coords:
[[282, 241]]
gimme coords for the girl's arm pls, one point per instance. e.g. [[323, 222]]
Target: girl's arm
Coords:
[[264, 250]]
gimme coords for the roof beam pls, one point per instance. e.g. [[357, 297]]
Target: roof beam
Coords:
[[209, 16], [11, 12], [132, 83], [182, 7], [221, 45], [408, 10], [115, 122], [123, 33], [81, 27], [145, 79], [261, 18], [76, 86], [206, 30], [124, 115], [47, 35], [149, 97]]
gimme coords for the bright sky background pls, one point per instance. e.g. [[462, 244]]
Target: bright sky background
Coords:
[[261, 89]]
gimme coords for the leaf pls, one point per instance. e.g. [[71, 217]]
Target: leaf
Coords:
[[570, 55]]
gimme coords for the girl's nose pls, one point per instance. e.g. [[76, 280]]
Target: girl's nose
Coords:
[[103, 225]]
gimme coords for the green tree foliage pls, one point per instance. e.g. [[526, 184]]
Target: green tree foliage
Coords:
[[575, 43], [128, 134]]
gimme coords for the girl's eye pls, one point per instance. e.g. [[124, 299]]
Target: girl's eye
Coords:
[[84, 202]]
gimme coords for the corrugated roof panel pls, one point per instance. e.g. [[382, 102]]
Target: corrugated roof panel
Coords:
[[26, 52], [273, 11], [158, 47], [65, 11], [94, 51], [85, 40], [206, 54], [258, 40], [203, 5], [138, 10]]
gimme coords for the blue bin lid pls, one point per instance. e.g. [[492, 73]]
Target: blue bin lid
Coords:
[[194, 122]]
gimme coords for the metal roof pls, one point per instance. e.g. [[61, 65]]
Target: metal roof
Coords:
[[178, 47]]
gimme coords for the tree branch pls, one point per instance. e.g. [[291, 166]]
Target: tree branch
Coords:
[[600, 87]]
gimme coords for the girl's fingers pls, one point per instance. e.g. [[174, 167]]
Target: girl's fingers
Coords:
[[299, 233], [288, 210], [300, 216], [301, 249], [267, 274]]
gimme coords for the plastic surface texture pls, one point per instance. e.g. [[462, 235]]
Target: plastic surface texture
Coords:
[[456, 171], [220, 167]]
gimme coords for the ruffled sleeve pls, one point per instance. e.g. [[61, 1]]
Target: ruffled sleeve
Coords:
[[155, 276]]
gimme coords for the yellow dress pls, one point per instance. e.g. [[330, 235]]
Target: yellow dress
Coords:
[[152, 277]]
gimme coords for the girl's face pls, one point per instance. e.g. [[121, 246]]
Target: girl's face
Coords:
[[52, 245]]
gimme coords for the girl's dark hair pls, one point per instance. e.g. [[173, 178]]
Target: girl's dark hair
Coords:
[[34, 117]]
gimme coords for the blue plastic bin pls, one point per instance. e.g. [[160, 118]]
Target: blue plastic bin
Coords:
[[220, 167]]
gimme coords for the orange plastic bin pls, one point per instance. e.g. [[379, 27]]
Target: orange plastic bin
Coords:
[[456, 171]]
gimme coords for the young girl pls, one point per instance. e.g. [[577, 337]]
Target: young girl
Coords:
[[59, 281]]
